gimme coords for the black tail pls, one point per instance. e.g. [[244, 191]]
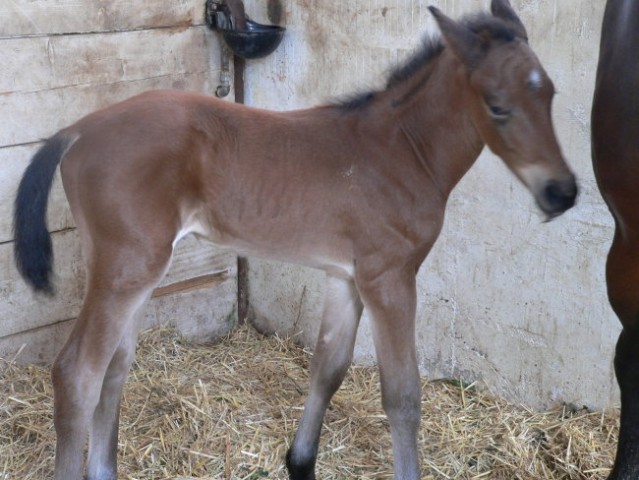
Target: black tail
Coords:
[[32, 246]]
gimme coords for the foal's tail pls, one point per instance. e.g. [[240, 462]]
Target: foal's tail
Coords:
[[32, 245]]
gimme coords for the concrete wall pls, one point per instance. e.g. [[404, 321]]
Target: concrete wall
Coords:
[[504, 299], [61, 60]]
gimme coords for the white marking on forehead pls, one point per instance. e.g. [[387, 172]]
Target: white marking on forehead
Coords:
[[535, 80]]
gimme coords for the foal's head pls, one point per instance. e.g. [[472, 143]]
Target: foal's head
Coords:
[[510, 98]]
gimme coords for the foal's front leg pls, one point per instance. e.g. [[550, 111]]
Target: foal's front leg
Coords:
[[391, 300], [332, 357]]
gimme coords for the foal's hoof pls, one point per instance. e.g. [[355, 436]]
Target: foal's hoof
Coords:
[[300, 471]]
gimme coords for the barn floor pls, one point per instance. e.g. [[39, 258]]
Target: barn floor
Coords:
[[229, 411]]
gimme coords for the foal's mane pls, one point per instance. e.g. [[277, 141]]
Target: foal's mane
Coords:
[[485, 25]]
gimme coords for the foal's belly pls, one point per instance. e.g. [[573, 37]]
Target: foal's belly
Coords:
[[332, 257]]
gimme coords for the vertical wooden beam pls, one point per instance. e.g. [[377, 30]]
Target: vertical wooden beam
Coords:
[[239, 65], [274, 10]]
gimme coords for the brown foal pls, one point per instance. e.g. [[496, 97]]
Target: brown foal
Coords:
[[357, 189]]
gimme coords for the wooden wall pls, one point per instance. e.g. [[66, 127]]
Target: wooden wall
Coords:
[[58, 61]]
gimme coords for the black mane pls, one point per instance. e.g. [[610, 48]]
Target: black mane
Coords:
[[431, 48], [356, 100], [485, 25]]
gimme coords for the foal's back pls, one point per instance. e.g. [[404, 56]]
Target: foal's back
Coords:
[[288, 185]]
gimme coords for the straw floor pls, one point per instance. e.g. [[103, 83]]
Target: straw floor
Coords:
[[229, 411]]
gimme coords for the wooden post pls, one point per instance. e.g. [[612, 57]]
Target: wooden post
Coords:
[[239, 65]]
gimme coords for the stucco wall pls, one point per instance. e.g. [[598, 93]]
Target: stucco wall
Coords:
[[503, 298]]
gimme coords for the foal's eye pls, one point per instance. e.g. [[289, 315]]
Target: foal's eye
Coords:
[[499, 114]]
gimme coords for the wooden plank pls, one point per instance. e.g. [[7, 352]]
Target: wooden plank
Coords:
[[59, 108], [23, 310], [41, 17], [200, 315], [194, 257], [36, 346], [60, 61], [194, 284]]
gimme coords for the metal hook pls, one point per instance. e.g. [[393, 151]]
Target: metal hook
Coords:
[[224, 87]]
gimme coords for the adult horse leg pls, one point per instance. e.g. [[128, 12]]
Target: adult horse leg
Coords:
[[622, 272], [332, 357], [91, 368], [391, 299]]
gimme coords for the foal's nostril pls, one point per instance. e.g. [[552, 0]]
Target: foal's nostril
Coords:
[[559, 196]]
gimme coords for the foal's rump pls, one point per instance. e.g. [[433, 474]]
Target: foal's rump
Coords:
[[120, 165]]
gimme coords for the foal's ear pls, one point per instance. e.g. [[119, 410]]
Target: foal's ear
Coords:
[[502, 9], [464, 43]]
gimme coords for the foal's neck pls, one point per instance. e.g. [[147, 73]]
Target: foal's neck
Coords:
[[432, 115]]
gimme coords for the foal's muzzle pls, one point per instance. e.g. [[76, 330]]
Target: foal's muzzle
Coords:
[[557, 196]]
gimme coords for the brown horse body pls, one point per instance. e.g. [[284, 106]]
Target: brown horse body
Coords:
[[357, 190], [615, 141]]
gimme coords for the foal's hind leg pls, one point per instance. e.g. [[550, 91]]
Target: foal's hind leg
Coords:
[[89, 371], [103, 433], [332, 357], [623, 291]]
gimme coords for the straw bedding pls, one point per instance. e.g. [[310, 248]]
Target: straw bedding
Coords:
[[229, 411]]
